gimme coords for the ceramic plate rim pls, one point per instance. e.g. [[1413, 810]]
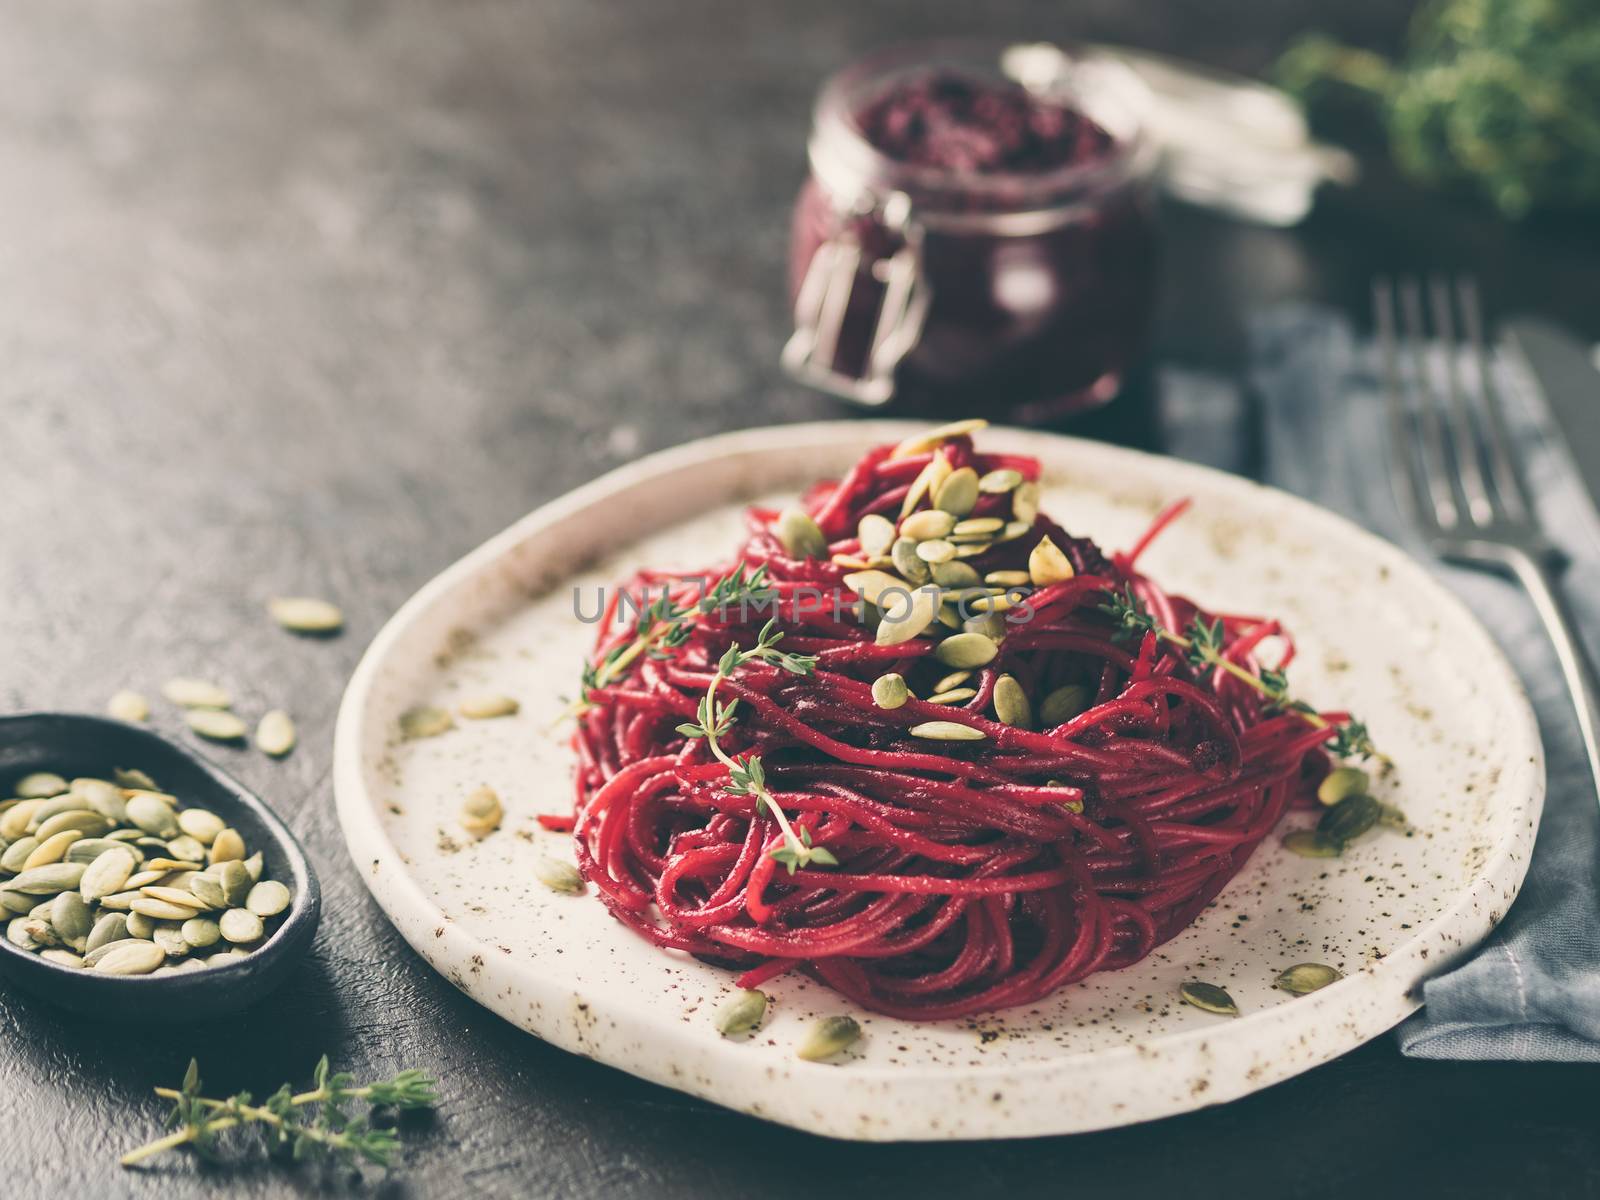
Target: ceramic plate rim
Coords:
[[1388, 981]]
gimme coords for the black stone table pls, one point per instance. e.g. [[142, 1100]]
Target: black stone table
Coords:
[[312, 297]]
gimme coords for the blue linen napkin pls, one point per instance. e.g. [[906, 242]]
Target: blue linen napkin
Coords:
[[1532, 991]]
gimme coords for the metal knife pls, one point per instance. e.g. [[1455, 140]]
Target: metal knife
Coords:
[[1568, 377]]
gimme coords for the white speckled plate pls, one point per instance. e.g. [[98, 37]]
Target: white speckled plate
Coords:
[[1376, 634]]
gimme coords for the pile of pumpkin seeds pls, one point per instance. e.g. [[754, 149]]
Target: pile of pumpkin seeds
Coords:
[[915, 582], [117, 876]]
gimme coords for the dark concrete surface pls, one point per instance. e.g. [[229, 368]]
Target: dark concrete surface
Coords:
[[315, 296]]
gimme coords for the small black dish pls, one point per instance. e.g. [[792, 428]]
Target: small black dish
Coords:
[[72, 744]]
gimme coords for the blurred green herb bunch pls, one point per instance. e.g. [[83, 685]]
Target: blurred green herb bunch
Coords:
[[1499, 95]]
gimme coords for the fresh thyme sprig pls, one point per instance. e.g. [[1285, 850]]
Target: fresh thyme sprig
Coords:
[[1202, 647], [665, 625], [325, 1131], [746, 776]]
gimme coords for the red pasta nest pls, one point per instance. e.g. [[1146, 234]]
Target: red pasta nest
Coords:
[[971, 875]]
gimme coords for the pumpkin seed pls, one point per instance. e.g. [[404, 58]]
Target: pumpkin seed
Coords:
[[40, 785], [54, 807], [119, 901], [923, 442], [1341, 783], [81, 820], [226, 847], [1309, 843], [958, 494], [20, 932], [53, 848], [1305, 978], [975, 527], [275, 733], [1011, 704], [741, 1014], [481, 812], [484, 708], [240, 925], [132, 777], [1048, 563], [254, 865], [1208, 997], [928, 524], [800, 534], [889, 691], [172, 941], [86, 850], [935, 551], [16, 854], [828, 1037], [103, 797], [877, 535], [1000, 481], [929, 478], [953, 696], [141, 925], [907, 615], [195, 693], [62, 958], [216, 724], [47, 880], [1008, 579], [304, 614], [267, 898], [110, 927], [950, 616], [947, 731], [990, 625], [905, 559], [208, 890], [186, 849], [144, 879], [955, 574], [160, 910], [179, 897], [14, 821], [152, 816], [1025, 504], [558, 876], [424, 721], [131, 958], [15, 902], [1014, 530], [235, 879], [991, 604], [1349, 819], [70, 916], [201, 824], [201, 932], [953, 680], [93, 957], [966, 650], [128, 706]]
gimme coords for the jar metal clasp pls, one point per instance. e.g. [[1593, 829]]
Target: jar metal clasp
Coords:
[[822, 306]]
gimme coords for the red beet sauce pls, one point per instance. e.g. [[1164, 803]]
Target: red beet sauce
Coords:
[[1038, 247]]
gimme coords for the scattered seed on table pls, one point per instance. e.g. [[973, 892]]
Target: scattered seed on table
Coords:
[[306, 614]]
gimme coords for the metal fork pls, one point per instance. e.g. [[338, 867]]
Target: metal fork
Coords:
[[1454, 467]]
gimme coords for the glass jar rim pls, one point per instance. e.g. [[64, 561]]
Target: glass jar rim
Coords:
[[860, 177]]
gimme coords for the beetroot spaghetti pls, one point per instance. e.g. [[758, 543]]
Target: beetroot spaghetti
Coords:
[[917, 741]]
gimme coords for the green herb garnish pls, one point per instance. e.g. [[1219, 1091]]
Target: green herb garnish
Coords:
[[306, 1125], [746, 776], [1202, 647]]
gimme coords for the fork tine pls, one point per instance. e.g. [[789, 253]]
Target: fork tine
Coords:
[[1507, 475], [1461, 426], [1435, 453], [1405, 473]]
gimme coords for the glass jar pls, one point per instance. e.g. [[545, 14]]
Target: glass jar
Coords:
[[1009, 275]]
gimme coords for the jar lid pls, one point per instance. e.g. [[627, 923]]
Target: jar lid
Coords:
[[1228, 143]]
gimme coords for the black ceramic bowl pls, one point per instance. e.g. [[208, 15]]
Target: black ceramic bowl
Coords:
[[71, 744]]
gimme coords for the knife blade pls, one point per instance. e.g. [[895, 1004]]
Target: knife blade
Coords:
[[1568, 379]]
